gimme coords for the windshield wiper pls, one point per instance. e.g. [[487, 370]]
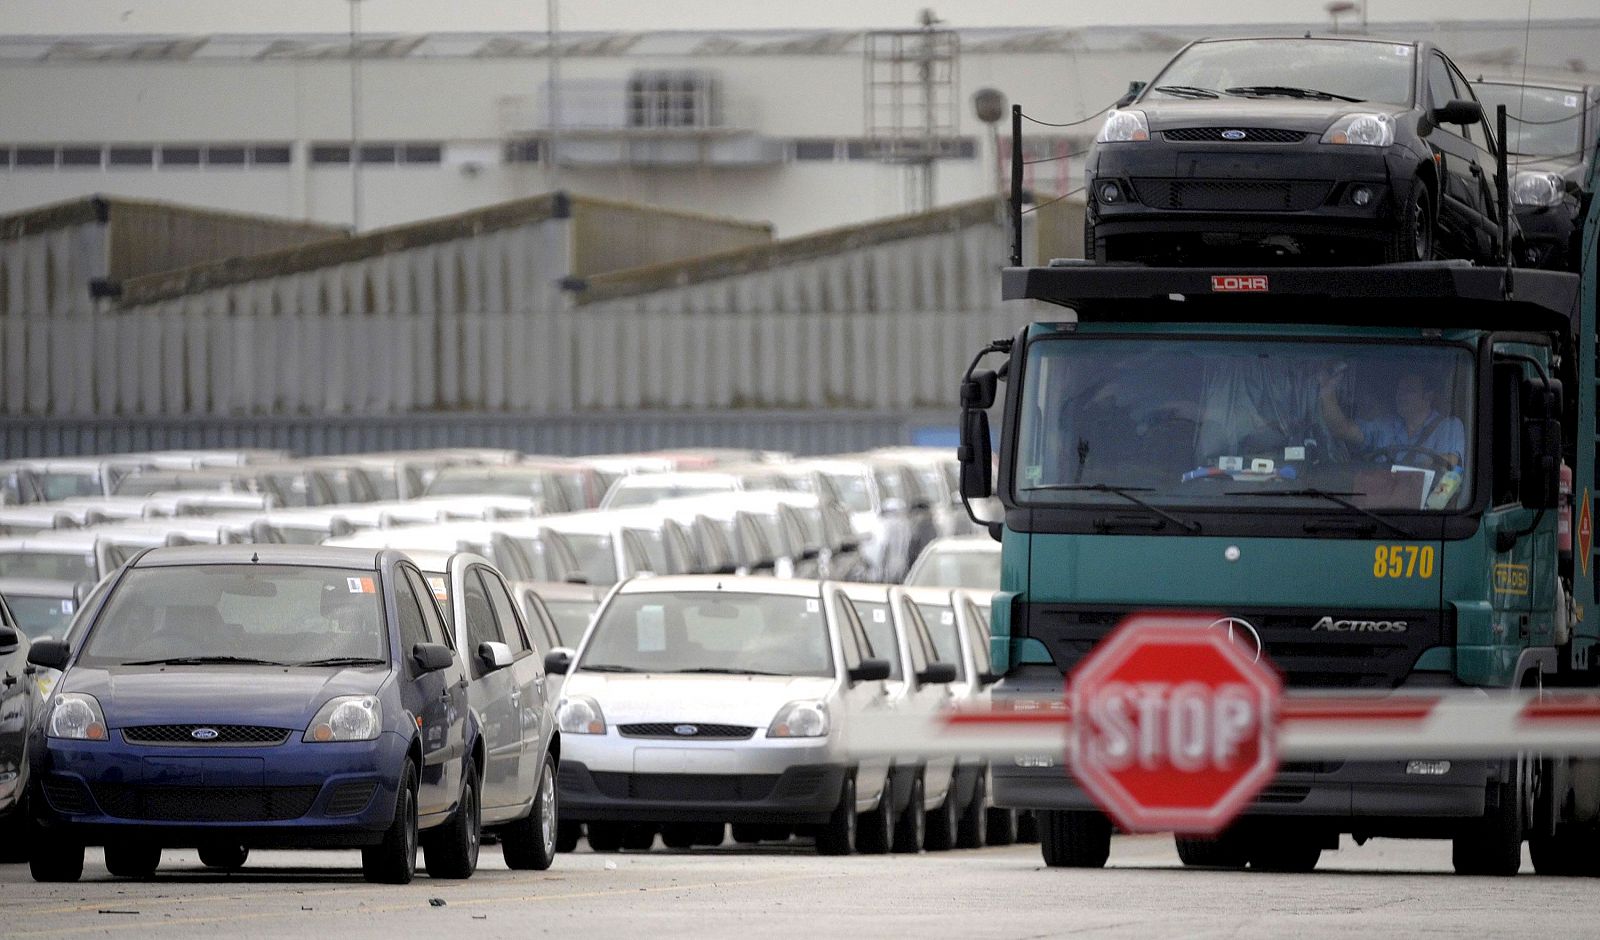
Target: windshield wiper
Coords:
[[728, 671], [1186, 91], [608, 667], [344, 661], [1331, 497], [1126, 492], [1289, 91], [205, 661]]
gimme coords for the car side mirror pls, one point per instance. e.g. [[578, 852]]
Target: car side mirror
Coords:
[[1459, 111], [494, 655], [937, 674], [988, 678], [432, 657], [1134, 88], [10, 637], [871, 670], [558, 661], [50, 654]]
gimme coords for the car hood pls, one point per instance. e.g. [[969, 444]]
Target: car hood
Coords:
[[226, 695], [1566, 167], [730, 700], [1286, 113]]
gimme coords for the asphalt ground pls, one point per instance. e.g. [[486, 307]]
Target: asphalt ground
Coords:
[[1385, 888]]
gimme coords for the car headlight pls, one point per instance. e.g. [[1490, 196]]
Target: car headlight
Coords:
[[346, 718], [1364, 129], [580, 715], [1533, 188], [77, 717], [800, 720], [1123, 126]]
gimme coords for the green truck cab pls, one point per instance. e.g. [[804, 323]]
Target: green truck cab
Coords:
[[1359, 472]]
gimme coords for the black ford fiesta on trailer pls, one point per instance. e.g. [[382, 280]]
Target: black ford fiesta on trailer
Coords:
[[1307, 150]]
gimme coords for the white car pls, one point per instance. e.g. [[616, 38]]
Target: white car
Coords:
[[704, 700], [959, 561]]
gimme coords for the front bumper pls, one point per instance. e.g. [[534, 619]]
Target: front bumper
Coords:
[[289, 795], [799, 794], [1549, 234]]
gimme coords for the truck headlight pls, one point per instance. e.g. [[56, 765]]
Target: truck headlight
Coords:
[[580, 714], [1363, 129], [800, 720], [77, 717], [346, 718], [1533, 188], [1123, 126]]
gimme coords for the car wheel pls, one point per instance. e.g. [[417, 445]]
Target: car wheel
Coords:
[[132, 859], [1227, 850], [394, 860], [678, 835], [838, 835], [941, 833], [567, 836], [710, 835], [1284, 853], [451, 850], [224, 857], [875, 830], [530, 843], [56, 859], [640, 837], [911, 827], [1002, 826], [1413, 238], [1027, 826], [748, 833], [973, 829], [604, 837], [1074, 839]]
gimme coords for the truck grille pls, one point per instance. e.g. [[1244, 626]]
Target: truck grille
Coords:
[[1307, 660], [1252, 135], [1232, 194], [204, 804], [183, 735]]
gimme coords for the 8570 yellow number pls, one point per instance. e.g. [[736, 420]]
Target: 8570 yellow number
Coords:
[[1402, 561]]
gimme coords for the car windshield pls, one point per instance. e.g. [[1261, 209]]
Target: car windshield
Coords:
[[710, 632], [978, 570], [55, 566], [648, 494], [65, 484], [1359, 70], [1206, 423], [468, 481], [1540, 122], [571, 619], [272, 613], [880, 633], [854, 491], [941, 621], [42, 616]]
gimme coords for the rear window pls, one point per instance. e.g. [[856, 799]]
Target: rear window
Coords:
[[276, 613], [41, 617]]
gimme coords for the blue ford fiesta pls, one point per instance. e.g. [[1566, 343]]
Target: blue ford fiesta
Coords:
[[241, 696]]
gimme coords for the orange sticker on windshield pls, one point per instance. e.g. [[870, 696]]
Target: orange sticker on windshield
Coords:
[[361, 586]]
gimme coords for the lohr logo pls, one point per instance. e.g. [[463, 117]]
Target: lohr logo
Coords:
[[1330, 625], [1238, 283]]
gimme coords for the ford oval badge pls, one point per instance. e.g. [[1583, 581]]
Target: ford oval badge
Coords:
[[687, 731], [204, 734], [1233, 135]]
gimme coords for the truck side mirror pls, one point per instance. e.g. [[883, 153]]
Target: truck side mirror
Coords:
[[1507, 426], [1541, 443], [976, 455], [978, 389]]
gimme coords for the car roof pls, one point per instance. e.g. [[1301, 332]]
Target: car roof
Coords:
[[39, 587], [309, 555], [866, 591], [732, 584], [939, 596], [977, 544], [562, 590]]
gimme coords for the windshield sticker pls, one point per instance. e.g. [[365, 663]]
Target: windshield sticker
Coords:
[[1402, 50], [68, 605], [880, 616], [361, 586], [1294, 453], [812, 606], [652, 629], [1570, 101], [440, 592], [947, 618]]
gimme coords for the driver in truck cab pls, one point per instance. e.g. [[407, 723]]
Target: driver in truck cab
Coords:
[[1416, 429]]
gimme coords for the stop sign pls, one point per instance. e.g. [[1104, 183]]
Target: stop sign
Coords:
[[1173, 725]]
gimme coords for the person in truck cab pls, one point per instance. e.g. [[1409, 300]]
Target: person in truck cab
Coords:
[[1416, 431]]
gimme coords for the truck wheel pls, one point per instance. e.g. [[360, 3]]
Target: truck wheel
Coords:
[[394, 861], [838, 835], [972, 831], [1493, 845], [56, 860], [1002, 826], [223, 856], [451, 851], [1227, 850], [1566, 853], [911, 827], [710, 835], [1073, 838], [875, 830], [748, 833], [530, 843], [132, 859], [1285, 853], [678, 835]]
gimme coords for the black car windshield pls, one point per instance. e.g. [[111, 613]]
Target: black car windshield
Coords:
[[1540, 122], [272, 613], [1188, 423], [710, 632], [42, 616], [1355, 69]]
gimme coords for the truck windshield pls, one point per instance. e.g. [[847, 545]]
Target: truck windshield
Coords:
[[1199, 423]]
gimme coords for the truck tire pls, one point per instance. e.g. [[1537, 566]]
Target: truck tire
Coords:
[[678, 835], [1564, 854], [1492, 845], [394, 860], [1074, 838], [1227, 850]]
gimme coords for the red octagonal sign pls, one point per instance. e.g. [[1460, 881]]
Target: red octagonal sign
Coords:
[[1173, 725]]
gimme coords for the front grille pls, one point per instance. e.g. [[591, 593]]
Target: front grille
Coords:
[[1308, 660], [350, 798], [204, 804], [66, 796], [686, 788], [664, 729], [1252, 135], [226, 735], [1232, 194]]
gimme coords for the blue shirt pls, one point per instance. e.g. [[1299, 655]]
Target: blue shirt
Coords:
[[1447, 437]]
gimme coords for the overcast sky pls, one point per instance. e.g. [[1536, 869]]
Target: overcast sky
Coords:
[[292, 16]]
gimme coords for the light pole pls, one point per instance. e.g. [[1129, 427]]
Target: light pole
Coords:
[[553, 92], [355, 115]]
